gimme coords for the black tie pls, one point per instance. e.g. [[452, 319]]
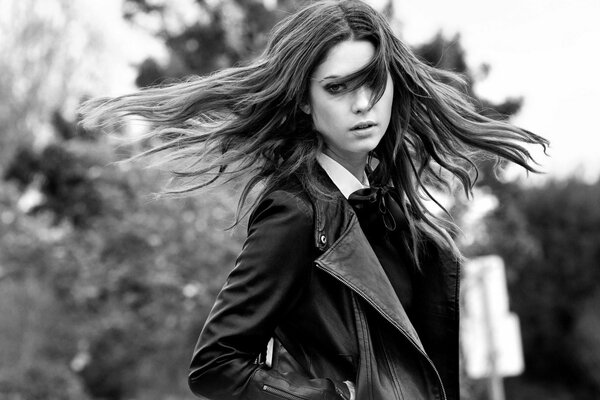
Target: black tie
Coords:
[[379, 203]]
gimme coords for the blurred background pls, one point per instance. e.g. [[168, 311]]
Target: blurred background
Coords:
[[104, 289]]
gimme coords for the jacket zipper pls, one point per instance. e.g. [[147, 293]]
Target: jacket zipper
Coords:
[[281, 393], [343, 281]]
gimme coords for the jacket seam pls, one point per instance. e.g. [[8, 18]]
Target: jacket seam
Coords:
[[360, 319], [397, 387]]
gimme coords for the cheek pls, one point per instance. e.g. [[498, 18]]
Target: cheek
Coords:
[[324, 114], [387, 101], [321, 118]]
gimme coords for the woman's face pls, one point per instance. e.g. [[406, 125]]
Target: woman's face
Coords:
[[350, 128]]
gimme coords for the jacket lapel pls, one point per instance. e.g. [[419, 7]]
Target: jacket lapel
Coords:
[[352, 261]]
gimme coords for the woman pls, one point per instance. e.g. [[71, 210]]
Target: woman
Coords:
[[347, 286]]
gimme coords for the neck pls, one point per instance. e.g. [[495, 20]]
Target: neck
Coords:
[[355, 164]]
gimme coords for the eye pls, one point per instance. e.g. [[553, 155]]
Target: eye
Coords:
[[335, 88]]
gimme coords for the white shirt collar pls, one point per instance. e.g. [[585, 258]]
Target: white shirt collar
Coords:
[[341, 177]]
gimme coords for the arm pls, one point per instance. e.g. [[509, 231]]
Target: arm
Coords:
[[270, 275]]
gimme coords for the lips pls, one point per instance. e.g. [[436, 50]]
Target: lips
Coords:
[[363, 125]]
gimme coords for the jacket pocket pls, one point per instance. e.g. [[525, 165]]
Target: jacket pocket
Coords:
[[281, 393]]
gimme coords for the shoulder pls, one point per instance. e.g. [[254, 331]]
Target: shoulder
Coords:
[[280, 231], [292, 207], [288, 205]]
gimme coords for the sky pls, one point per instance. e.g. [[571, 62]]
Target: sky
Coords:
[[543, 50]]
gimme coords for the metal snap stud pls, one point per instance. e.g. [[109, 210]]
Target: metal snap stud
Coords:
[[323, 239]]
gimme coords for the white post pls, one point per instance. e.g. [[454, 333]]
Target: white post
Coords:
[[495, 386], [490, 333]]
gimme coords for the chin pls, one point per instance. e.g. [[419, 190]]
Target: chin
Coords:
[[362, 151], [368, 145]]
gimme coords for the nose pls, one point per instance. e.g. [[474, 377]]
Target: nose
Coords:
[[361, 101]]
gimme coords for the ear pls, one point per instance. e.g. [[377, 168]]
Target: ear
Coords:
[[305, 108]]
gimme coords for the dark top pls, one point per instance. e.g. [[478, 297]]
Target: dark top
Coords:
[[388, 242]]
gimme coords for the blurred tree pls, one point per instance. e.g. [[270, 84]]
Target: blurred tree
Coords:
[[124, 295], [222, 34], [449, 54], [54, 57], [549, 237]]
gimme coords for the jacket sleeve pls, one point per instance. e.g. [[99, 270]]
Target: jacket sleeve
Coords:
[[270, 275]]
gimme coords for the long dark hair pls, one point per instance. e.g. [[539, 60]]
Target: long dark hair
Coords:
[[247, 120]]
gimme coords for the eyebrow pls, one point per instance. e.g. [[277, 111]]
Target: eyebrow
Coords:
[[329, 77], [336, 76]]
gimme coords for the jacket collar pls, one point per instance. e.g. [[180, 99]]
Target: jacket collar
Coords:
[[352, 261]]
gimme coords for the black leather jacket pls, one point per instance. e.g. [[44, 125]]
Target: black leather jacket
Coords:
[[308, 277]]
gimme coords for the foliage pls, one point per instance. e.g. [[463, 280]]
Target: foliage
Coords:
[[51, 56], [549, 236], [129, 287], [224, 34]]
